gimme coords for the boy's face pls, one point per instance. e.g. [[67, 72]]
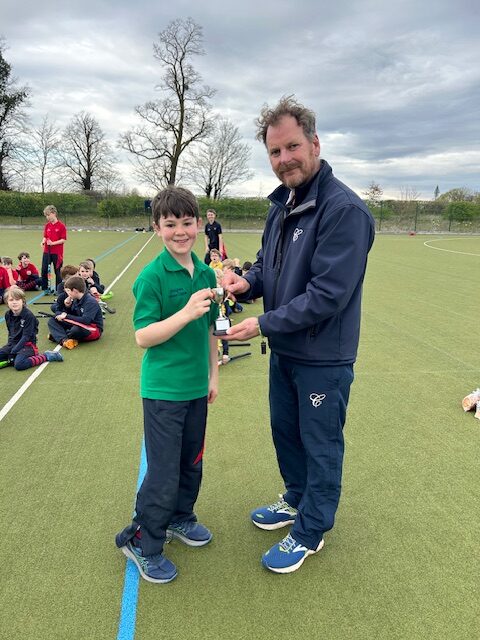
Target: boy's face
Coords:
[[50, 216], [84, 273], [24, 261], [178, 235], [15, 305], [74, 294], [214, 256], [210, 216]]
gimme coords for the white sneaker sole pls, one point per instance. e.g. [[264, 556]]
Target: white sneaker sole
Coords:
[[146, 577], [272, 527], [296, 566], [190, 543]]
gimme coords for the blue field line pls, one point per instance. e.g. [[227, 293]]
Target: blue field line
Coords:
[[97, 259], [128, 611]]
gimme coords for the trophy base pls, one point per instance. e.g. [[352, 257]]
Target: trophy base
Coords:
[[220, 332]]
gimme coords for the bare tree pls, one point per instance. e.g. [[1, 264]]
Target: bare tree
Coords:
[[409, 194], [45, 142], [12, 119], [170, 125], [221, 160], [86, 155], [373, 194]]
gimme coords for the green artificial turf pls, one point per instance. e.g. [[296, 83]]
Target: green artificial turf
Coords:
[[402, 561]]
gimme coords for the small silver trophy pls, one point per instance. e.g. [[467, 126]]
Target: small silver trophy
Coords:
[[222, 323]]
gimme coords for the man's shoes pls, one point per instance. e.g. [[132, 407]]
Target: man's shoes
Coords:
[[70, 343], [155, 568], [288, 555], [274, 516], [190, 533], [54, 356]]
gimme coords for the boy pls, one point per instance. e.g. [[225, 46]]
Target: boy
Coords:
[[215, 259], [28, 276], [54, 237], [86, 272], [213, 235], [11, 275], [58, 306], [82, 321], [173, 320], [4, 283], [21, 349]]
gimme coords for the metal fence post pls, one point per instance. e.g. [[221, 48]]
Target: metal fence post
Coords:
[[416, 217]]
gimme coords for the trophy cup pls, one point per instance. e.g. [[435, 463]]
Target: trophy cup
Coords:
[[222, 323]]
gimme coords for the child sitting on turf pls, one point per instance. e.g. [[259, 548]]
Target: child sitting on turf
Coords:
[[3, 282], [215, 259], [94, 275], [86, 272], [21, 349], [63, 302], [83, 322], [28, 277], [12, 275], [173, 320]]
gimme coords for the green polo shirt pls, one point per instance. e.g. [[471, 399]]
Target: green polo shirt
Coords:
[[178, 368]]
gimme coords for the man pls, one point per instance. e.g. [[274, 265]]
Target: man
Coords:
[[54, 237], [309, 271], [213, 236]]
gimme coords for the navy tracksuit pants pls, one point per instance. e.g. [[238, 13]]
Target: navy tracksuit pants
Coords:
[[174, 440], [308, 406]]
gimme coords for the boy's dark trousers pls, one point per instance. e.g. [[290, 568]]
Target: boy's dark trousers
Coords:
[[53, 258], [61, 331], [174, 438]]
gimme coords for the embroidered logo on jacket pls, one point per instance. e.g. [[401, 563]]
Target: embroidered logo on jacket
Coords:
[[179, 291], [297, 233], [317, 398]]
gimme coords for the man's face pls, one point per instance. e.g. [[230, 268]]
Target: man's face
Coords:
[[210, 216], [294, 158]]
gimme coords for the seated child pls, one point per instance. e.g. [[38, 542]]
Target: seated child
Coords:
[[12, 275], [215, 259], [246, 267], [3, 282], [21, 349], [236, 266], [86, 272], [28, 277], [59, 305], [84, 320], [95, 276], [231, 305]]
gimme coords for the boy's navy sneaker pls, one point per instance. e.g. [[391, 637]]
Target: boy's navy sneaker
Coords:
[[191, 533], [54, 356], [155, 568], [274, 516], [288, 555]]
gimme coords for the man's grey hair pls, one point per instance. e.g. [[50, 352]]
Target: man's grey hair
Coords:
[[287, 106]]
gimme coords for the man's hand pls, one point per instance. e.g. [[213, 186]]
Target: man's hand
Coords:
[[234, 283], [199, 304], [245, 330]]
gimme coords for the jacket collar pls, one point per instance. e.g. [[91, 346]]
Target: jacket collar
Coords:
[[282, 193]]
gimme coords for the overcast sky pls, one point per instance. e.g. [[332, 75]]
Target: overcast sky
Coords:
[[395, 85]]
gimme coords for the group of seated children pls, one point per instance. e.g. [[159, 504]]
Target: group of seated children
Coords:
[[77, 309], [25, 275]]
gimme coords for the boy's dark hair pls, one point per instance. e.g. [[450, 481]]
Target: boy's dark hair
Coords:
[[7, 260], [22, 254], [246, 266], [92, 261], [68, 270], [84, 265], [174, 201], [75, 282]]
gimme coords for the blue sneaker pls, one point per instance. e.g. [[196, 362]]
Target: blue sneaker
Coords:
[[288, 555], [54, 356], [155, 568], [191, 533], [274, 516]]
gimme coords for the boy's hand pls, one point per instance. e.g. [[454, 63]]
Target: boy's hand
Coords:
[[61, 316], [199, 304]]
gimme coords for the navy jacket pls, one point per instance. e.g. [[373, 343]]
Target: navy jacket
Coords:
[[86, 310], [22, 329], [310, 271]]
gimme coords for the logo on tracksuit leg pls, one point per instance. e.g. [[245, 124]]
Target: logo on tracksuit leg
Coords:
[[317, 399]]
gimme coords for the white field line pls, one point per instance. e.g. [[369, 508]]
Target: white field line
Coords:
[[38, 370], [463, 253]]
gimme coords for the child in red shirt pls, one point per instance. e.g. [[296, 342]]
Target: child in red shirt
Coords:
[[28, 276], [54, 237]]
